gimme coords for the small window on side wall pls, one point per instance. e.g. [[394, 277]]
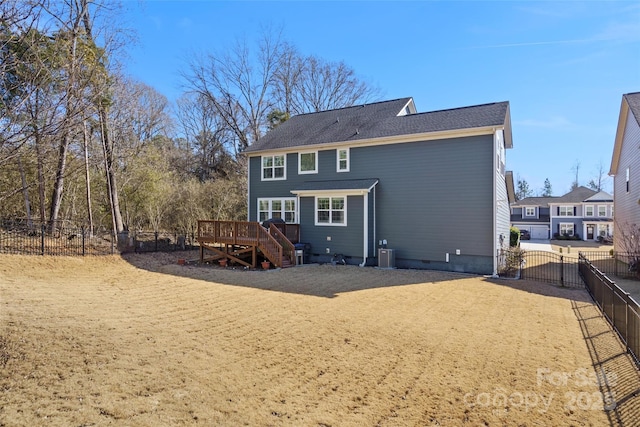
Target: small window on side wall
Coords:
[[342, 157], [627, 179], [308, 162]]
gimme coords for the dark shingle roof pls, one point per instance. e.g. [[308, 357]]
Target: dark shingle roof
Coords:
[[633, 99], [376, 120], [535, 201], [578, 195]]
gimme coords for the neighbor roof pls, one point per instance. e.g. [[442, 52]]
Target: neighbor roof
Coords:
[[379, 120], [600, 196], [535, 201], [578, 195], [630, 103]]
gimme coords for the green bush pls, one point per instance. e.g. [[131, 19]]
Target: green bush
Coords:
[[514, 236]]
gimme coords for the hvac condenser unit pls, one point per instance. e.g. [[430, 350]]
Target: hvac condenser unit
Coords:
[[386, 258]]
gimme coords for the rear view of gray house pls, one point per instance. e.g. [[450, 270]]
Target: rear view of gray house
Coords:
[[431, 187]]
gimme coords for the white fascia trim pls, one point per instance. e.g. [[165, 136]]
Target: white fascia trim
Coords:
[[396, 139], [311, 193]]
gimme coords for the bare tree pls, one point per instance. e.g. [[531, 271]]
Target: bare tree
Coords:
[[238, 85], [576, 170], [599, 179]]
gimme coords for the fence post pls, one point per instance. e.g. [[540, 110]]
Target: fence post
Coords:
[[562, 270], [82, 231], [113, 238], [42, 231], [156, 234]]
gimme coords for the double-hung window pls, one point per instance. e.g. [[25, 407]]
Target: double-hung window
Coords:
[[308, 162], [274, 167], [602, 211], [284, 208], [331, 210], [566, 211], [588, 210], [566, 229], [530, 211], [342, 158]]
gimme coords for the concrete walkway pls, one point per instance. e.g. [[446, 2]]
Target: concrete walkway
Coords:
[[536, 245]]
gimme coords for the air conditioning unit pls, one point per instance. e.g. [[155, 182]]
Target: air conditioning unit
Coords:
[[386, 258]]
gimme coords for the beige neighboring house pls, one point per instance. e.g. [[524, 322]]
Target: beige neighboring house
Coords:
[[625, 168]]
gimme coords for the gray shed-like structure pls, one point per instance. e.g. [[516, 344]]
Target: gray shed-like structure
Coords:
[[431, 186]]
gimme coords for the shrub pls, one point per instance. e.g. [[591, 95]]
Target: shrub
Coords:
[[514, 236]]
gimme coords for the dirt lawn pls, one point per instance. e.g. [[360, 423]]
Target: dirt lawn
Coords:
[[144, 341]]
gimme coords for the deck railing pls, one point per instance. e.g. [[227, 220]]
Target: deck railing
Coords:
[[288, 250], [247, 233]]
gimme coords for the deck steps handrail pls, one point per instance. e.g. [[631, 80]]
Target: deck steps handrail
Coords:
[[249, 233], [288, 249]]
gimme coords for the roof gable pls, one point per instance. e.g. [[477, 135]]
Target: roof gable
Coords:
[[630, 103], [601, 196], [379, 120], [578, 195]]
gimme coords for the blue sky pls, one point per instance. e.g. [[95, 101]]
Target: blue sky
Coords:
[[562, 65]]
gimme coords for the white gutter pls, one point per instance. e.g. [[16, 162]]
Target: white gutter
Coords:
[[495, 209]]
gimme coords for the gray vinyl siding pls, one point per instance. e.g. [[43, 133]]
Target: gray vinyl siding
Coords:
[[433, 198], [626, 208], [347, 241], [503, 217]]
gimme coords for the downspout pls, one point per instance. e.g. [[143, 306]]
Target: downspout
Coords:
[[365, 253], [495, 208]]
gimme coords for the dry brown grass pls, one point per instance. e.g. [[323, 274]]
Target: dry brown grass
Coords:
[[143, 341]]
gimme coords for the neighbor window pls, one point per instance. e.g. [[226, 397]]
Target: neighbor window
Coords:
[[530, 212], [602, 211], [566, 229], [343, 160], [273, 167], [331, 211], [308, 162], [277, 208], [566, 211], [627, 179], [588, 210]]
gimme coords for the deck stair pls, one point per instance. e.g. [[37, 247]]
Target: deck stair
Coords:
[[242, 241]]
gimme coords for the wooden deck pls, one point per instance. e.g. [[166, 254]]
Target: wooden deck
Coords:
[[241, 241]]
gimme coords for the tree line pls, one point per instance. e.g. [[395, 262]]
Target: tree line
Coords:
[[82, 141]]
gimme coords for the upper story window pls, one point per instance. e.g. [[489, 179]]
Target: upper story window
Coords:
[[530, 211], [588, 210], [627, 179], [602, 211], [343, 160], [308, 162], [284, 208], [565, 211], [331, 210], [274, 167]]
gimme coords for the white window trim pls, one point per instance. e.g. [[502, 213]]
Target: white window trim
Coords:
[[592, 210], [529, 207], [570, 208], [348, 159], [300, 154], [330, 197], [284, 175], [573, 227], [283, 211], [605, 210]]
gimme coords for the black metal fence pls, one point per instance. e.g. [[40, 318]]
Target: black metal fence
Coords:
[[618, 307], [619, 264], [542, 266], [21, 237], [17, 238]]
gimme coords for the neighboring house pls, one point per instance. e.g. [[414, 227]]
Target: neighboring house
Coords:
[[430, 186], [532, 214], [583, 212], [625, 169]]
